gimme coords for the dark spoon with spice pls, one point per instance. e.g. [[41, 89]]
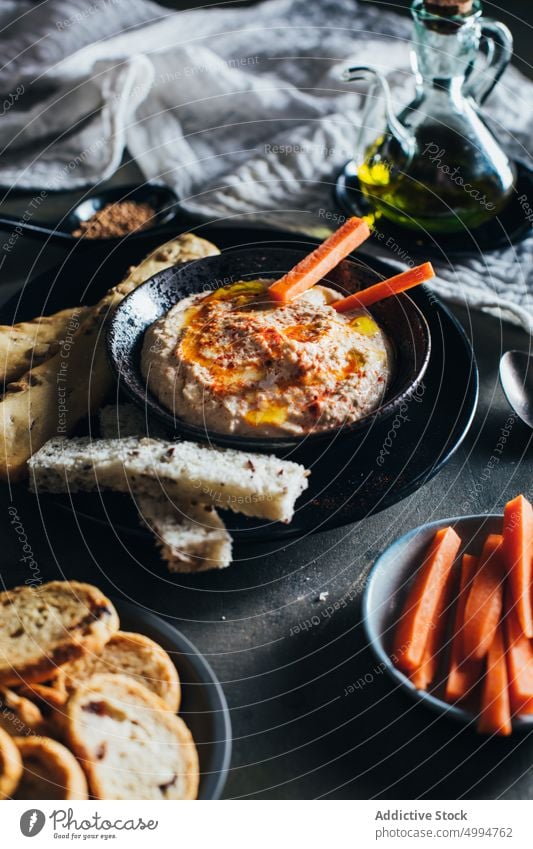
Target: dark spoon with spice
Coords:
[[114, 213]]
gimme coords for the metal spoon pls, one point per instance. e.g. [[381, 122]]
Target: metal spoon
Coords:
[[162, 199], [516, 378]]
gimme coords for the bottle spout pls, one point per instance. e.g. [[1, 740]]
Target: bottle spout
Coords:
[[380, 84]]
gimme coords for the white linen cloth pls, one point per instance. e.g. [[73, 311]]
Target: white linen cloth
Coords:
[[241, 110]]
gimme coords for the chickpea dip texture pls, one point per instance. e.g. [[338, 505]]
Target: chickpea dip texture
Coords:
[[234, 362]]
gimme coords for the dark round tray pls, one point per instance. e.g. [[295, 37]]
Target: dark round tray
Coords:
[[349, 481]]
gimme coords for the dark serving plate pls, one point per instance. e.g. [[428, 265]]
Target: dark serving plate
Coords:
[[347, 482], [402, 321], [203, 705], [509, 227]]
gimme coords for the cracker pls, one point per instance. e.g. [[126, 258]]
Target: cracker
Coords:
[[50, 771], [129, 654], [43, 627], [129, 744], [10, 765]]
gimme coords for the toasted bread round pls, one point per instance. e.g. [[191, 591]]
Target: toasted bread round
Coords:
[[43, 627], [134, 655], [50, 770], [18, 715], [10, 765], [128, 742]]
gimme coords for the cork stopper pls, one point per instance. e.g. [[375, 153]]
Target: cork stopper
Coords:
[[449, 8]]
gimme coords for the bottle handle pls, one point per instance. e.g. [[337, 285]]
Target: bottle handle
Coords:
[[496, 45], [379, 86]]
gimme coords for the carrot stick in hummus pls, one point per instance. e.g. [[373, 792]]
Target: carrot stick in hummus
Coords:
[[392, 286], [319, 262]]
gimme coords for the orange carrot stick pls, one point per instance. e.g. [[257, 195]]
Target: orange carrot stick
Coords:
[[519, 661], [319, 262], [485, 600], [392, 286], [422, 601], [426, 672], [463, 675], [518, 550], [495, 712]]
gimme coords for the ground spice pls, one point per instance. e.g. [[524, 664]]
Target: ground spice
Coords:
[[116, 219]]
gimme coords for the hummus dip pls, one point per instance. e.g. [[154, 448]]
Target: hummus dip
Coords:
[[233, 361]]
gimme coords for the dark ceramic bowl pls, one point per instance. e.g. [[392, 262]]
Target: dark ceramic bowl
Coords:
[[386, 590], [162, 199], [399, 317]]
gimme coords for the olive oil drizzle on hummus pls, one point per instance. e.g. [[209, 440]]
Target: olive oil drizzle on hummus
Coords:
[[280, 366]]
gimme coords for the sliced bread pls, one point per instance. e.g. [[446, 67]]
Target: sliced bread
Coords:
[[192, 537], [10, 765], [50, 771], [253, 484], [129, 744], [43, 627], [129, 654]]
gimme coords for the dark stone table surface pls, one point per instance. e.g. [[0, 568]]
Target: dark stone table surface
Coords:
[[288, 662], [304, 725]]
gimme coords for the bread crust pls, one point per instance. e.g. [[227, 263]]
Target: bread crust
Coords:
[[27, 344], [50, 771], [10, 765], [18, 714], [50, 699], [24, 610], [50, 694], [158, 757]]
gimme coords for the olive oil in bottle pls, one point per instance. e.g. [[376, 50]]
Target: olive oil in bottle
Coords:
[[437, 166]]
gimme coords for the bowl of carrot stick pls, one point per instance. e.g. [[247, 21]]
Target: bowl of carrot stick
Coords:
[[448, 611]]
